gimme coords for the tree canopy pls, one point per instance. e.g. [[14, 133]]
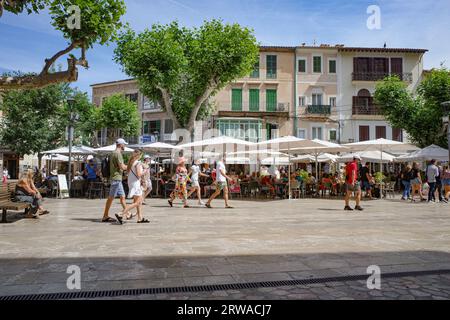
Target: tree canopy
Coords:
[[120, 116], [183, 68], [99, 22], [420, 113]]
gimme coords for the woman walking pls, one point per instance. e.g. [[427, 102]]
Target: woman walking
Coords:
[[135, 172], [416, 182], [446, 182], [195, 175], [181, 178], [146, 178]]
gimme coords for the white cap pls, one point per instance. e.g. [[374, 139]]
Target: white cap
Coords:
[[147, 157], [121, 141]]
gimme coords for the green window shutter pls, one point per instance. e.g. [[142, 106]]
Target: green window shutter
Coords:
[[236, 100], [317, 64], [271, 67], [271, 100], [254, 99], [145, 127], [332, 66]]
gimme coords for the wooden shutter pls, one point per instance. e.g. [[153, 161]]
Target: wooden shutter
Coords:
[[271, 100], [381, 132], [236, 99], [364, 133], [397, 134], [254, 99], [397, 66]]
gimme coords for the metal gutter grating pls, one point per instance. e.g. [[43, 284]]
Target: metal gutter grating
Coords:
[[210, 288]]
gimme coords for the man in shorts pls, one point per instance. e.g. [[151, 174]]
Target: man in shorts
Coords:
[[116, 167], [221, 183], [352, 185]]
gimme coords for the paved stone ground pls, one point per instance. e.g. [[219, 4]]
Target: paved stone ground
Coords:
[[257, 241]]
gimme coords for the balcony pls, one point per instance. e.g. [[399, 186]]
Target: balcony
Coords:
[[279, 110], [364, 106], [318, 110], [378, 76]]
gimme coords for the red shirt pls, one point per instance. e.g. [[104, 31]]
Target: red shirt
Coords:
[[351, 169]]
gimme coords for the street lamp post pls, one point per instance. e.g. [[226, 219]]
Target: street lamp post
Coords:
[[72, 118], [446, 107]]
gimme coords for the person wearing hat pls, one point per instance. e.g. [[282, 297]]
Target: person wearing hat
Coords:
[[53, 175], [117, 167], [181, 178], [352, 185]]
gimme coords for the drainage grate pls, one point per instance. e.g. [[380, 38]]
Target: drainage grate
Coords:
[[209, 288]]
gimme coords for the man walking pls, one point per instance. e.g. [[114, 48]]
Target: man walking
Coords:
[[432, 176], [221, 183], [116, 167], [366, 179], [352, 185]]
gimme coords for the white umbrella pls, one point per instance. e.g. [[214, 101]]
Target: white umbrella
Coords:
[[276, 161], [76, 150], [288, 143], [111, 148], [55, 157], [217, 141], [368, 156], [426, 154], [237, 160]]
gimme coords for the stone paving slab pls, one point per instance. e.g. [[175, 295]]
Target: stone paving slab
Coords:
[[257, 241]]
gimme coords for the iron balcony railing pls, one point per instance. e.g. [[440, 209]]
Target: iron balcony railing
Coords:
[[365, 106], [318, 109], [378, 76]]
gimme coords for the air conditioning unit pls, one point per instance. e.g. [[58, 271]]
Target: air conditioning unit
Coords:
[[283, 107]]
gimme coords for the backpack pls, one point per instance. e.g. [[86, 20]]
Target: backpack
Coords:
[[106, 172]]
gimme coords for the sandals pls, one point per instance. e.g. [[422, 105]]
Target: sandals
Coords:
[[186, 207], [229, 207], [45, 212], [208, 205], [119, 219], [131, 216], [108, 220], [144, 221]]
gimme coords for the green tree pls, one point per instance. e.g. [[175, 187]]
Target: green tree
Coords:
[[420, 113], [120, 116], [99, 24], [182, 68]]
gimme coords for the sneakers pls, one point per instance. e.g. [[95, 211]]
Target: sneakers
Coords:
[[347, 208], [201, 203], [358, 208]]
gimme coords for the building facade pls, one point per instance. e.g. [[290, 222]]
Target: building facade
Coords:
[[313, 92]]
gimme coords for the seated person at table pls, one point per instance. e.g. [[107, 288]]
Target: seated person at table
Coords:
[[27, 192], [266, 181], [53, 176], [90, 172], [78, 176], [311, 179]]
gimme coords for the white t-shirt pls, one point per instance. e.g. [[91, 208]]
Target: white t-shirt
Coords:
[[432, 173], [219, 176], [195, 172]]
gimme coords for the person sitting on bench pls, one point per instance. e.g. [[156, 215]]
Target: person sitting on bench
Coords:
[[27, 192]]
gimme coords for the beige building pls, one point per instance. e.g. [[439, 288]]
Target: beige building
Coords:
[[324, 92]]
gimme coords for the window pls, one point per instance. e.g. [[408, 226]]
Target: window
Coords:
[[254, 99], [133, 97], [248, 130], [150, 104], [380, 132], [397, 134], [317, 99], [317, 64], [271, 100], [301, 133], [317, 133], [271, 67], [333, 102], [168, 126], [302, 65], [364, 133], [331, 66], [236, 99], [255, 72], [333, 135], [302, 101], [150, 127]]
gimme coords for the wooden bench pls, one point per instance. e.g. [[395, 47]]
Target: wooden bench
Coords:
[[6, 202]]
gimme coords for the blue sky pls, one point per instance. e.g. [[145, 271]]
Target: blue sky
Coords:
[[26, 40]]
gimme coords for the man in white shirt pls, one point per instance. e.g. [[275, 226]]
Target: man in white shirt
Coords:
[[221, 183], [432, 174]]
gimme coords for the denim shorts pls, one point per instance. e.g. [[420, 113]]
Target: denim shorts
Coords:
[[116, 189], [366, 186], [446, 182], [354, 188], [415, 181]]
